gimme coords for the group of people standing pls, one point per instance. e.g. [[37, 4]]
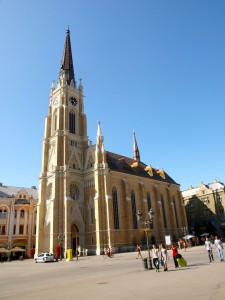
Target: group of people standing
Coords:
[[159, 256], [218, 245], [108, 252]]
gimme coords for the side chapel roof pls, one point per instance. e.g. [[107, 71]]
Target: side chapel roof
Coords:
[[130, 166]]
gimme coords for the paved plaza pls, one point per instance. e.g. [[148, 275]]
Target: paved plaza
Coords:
[[120, 277]]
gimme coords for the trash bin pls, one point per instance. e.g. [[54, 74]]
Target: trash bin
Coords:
[[145, 262]]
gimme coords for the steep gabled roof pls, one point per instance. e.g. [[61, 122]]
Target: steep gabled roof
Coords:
[[130, 166]]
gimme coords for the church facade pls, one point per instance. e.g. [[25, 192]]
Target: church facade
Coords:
[[92, 198]]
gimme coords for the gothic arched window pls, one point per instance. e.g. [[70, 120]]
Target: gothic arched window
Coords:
[[115, 209], [134, 210], [72, 122], [55, 122], [149, 201], [175, 210], [163, 211]]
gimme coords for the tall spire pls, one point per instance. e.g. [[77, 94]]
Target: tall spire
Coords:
[[99, 134], [136, 150], [67, 61]]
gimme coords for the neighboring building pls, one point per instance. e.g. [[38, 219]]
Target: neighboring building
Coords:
[[18, 209], [205, 208], [89, 197]]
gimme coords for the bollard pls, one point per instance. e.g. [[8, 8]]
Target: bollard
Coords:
[[69, 255]]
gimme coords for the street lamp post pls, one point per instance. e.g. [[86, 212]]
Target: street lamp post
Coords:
[[148, 223]]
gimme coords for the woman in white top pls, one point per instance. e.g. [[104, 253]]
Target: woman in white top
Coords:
[[208, 247], [155, 257], [164, 256]]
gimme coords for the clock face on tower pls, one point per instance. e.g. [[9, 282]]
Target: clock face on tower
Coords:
[[73, 101]]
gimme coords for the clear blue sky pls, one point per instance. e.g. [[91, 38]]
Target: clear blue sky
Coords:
[[153, 66]]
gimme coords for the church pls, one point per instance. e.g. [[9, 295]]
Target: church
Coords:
[[89, 197]]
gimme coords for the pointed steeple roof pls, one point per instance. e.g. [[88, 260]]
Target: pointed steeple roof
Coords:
[[67, 61], [136, 150], [99, 134]]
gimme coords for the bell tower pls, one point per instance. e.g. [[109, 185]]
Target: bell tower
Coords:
[[64, 146]]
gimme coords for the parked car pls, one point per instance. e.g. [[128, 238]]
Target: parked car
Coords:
[[45, 257]]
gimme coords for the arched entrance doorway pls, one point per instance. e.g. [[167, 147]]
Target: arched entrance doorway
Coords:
[[75, 238]]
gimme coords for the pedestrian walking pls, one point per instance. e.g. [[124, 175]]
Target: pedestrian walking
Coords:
[[77, 254], [184, 246], [155, 257], [219, 246], [208, 247], [109, 252], [138, 249], [179, 244], [164, 257], [174, 254]]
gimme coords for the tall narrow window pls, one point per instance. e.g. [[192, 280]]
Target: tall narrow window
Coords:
[[72, 122], [21, 229], [149, 201], [134, 210], [14, 229], [55, 125], [3, 230], [22, 213], [115, 209], [92, 215], [163, 211], [149, 204], [175, 210]]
